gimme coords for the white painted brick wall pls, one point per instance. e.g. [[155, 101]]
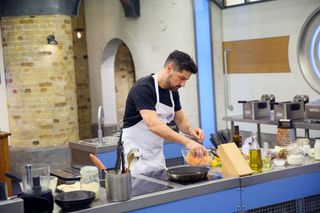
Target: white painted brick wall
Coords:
[[162, 27]]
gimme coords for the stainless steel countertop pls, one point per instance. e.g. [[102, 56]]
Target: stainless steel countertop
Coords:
[[179, 191]]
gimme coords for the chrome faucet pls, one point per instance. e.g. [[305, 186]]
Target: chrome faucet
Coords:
[[100, 124]]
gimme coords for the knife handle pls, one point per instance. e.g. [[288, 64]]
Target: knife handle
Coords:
[[96, 161]]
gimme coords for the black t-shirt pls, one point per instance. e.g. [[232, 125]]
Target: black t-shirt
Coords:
[[143, 96]]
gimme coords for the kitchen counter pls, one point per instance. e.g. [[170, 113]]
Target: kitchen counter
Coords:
[[226, 195]]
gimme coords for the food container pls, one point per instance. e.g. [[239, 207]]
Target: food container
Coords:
[[90, 179], [35, 178], [285, 132], [295, 155], [195, 161], [277, 162]]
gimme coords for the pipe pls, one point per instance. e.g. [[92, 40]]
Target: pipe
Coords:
[[226, 82]]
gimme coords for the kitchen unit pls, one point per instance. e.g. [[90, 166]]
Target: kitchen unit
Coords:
[[224, 195]]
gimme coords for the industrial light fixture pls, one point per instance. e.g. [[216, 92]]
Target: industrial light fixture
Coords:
[[52, 40], [78, 30]]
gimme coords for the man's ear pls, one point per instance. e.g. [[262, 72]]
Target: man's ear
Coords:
[[169, 68]]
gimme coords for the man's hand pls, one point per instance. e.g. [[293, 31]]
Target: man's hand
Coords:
[[196, 149], [197, 133]]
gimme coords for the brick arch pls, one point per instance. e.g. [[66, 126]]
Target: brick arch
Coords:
[[117, 77]]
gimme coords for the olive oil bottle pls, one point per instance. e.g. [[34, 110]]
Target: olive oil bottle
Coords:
[[237, 138], [255, 157]]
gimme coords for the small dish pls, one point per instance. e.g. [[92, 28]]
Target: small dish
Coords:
[[311, 152], [279, 162]]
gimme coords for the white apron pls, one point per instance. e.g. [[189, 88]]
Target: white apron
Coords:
[[149, 144]]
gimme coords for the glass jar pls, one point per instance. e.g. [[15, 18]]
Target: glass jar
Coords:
[[295, 154], [90, 179], [285, 132]]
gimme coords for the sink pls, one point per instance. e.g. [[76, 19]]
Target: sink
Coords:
[[109, 140]]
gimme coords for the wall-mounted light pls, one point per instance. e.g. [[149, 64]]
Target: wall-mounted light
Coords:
[[52, 40], [79, 32]]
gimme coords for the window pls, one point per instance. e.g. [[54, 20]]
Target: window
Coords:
[[309, 50]]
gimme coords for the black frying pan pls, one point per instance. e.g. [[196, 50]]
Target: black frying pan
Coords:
[[187, 173]]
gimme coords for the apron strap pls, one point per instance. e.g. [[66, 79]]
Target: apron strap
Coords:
[[156, 86]]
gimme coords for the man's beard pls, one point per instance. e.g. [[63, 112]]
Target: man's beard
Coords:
[[171, 87]]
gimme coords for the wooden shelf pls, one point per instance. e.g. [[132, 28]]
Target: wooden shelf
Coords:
[[5, 160]]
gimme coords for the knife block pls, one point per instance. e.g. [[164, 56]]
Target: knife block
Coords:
[[233, 163]]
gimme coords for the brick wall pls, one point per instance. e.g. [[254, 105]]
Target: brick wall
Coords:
[[124, 77], [82, 75], [40, 79]]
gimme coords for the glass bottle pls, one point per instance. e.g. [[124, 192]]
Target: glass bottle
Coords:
[[266, 157], [255, 156], [90, 179], [237, 138]]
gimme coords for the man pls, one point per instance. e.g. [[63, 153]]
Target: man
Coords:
[[152, 103]]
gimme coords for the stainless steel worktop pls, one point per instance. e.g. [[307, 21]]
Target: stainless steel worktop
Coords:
[[179, 192]]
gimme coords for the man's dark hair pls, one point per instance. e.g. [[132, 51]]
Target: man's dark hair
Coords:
[[181, 61]]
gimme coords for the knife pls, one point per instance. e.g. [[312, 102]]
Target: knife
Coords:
[[213, 141]]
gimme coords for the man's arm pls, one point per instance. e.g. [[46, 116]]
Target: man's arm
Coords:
[[184, 125], [162, 130]]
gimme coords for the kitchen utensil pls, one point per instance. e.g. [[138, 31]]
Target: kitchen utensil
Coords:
[[36, 193], [75, 200], [187, 173], [13, 177], [65, 175], [96, 161], [31, 173], [132, 155], [214, 140], [120, 157], [123, 170], [118, 186]]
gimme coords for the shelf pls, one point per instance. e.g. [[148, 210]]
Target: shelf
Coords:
[[298, 123]]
